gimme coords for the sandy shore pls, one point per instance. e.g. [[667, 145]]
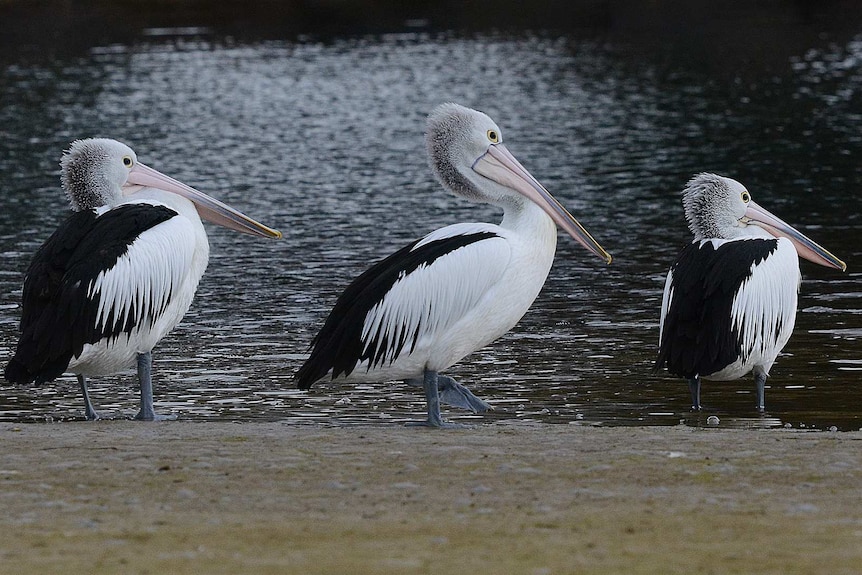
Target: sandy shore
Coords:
[[185, 497]]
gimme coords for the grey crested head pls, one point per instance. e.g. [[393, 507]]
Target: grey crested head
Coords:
[[713, 206], [448, 141], [93, 171]]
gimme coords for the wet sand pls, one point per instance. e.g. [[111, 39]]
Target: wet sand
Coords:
[[189, 497]]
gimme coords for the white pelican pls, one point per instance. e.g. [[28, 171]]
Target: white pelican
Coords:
[[422, 309], [730, 298], [119, 273]]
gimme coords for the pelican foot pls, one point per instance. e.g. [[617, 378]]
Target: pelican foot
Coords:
[[431, 381], [454, 394]]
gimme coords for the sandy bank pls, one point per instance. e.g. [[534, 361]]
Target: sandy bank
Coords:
[[184, 497]]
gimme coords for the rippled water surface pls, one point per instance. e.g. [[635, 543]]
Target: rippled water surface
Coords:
[[325, 142]]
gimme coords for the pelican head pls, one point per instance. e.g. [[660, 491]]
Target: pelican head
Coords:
[[101, 172], [466, 151], [93, 172], [721, 208]]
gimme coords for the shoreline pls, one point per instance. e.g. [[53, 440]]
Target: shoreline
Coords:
[[192, 497]]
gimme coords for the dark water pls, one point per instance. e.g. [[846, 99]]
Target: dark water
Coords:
[[325, 142]]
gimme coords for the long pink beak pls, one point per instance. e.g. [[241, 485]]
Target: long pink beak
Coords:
[[499, 165], [805, 246], [209, 208]]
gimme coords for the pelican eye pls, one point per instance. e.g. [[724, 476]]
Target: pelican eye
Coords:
[[493, 136], [127, 161], [745, 197]]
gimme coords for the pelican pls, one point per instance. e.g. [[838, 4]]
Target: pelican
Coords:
[[729, 300], [422, 309], [118, 274]]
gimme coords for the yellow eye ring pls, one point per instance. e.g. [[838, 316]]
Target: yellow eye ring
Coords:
[[745, 197], [127, 161], [493, 136]]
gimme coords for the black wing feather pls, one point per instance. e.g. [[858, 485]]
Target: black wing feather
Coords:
[[698, 336], [58, 317], [339, 346]]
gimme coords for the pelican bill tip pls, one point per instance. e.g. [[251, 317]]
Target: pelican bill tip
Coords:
[[265, 231]]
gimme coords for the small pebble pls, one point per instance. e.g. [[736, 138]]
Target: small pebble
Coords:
[[712, 420], [833, 428]]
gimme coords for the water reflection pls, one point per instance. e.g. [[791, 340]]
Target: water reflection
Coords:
[[325, 140]]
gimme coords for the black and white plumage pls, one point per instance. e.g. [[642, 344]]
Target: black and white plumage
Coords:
[[425, 307], [119, 274], [730, 298]]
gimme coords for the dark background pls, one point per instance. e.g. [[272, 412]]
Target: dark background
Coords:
[[748, 30]]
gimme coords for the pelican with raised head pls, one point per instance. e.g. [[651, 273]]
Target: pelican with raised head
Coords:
[[119, 273], [729, 302], [417, 312]]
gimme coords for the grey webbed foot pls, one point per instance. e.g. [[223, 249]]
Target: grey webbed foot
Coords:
[[454, 394], [432, 398]]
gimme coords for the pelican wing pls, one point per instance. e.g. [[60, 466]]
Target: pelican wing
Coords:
[[717, 292], [423, 288], [764, 309], [88, 281]]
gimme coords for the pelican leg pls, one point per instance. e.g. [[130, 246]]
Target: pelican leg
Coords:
[[145, 376], [760, 384], [454, 394], [432, 398], [694, 388], [88, 405]]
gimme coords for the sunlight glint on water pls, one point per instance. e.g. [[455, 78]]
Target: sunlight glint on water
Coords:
[[325, 142]]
